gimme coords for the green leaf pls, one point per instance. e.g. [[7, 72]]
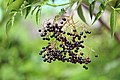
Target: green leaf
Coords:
[[37, 16], [62, 12], [117, 9], [80, 13], [12, 12], [101, 10], [113, 18], [98, 16], [15, 5], [91, 8], [27, 11], [12, 21], [59, 14]]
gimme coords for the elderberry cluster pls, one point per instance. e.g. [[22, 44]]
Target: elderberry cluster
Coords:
[[63, 45]]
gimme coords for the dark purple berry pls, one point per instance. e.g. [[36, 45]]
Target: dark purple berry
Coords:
[[96, 55], [81, 33], [64, 19], [39, 30], [61, 22], [74, 30], [84, 36]]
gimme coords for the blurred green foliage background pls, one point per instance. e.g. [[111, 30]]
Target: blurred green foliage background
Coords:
[[19, 59]]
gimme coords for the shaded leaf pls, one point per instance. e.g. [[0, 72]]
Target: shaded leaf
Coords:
[[53, 1], [102, 6], [91, 9], [9, 2], [30, 1], [118, 6], [80, 13], [34, 10], [97, 16], [27, 11], [117, 3], [113, 21]]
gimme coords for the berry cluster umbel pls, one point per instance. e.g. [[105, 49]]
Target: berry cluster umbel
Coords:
[[63, 45]]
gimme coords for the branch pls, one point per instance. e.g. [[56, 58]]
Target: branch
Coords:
[[116, 35]]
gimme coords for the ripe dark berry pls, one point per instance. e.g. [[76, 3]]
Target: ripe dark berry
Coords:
[[76, 51], [44, 38], [45, 60], [64, 19], [87, 32], [60, 45], [45, 30], [74, 30], [85, 67], [77, 48], [68, 33], [65, 41], [43, 47], [40, 53], [96, 55], [81, 33], [39, 30], [64, 32], [48, 39], [79, 37], [49, 48], [81, 41], [81, 54], [49, 23], [49, 43], [43, 56], [76, 35], [82, 46], [84, 36], [61, 22]]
